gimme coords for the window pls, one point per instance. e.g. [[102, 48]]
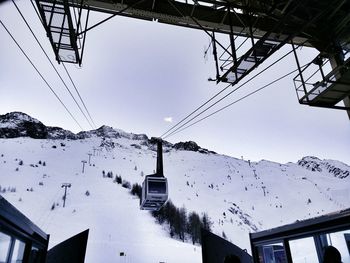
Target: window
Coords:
[[306, 241], [156, 187], [5, 242], [18, 251], [11, 249], [303, 250], [272, 253], [35, 255], [339, 241]]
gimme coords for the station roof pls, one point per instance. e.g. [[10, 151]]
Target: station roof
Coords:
[[12, 218]]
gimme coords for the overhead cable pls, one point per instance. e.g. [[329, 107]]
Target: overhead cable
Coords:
[[216, 95], [77, 91], [37, 12], [53, 66], [232, 103], [42, 77]]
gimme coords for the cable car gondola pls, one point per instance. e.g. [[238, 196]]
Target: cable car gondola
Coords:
[[155, 186]]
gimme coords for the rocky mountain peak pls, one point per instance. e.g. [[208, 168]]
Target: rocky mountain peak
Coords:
[[336, 168], [18, 124], [16, 117], [191, 146]]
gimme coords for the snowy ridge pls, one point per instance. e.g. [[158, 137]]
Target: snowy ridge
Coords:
[[336, 168], [56, 133], [191, 146], [103, 131], [12, 119], [17, 124]]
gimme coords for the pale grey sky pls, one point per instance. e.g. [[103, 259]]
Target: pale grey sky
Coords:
[[137, 73]]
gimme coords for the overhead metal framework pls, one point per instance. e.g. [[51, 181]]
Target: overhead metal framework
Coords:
[[322, 84], [63, 25], [256, 29]]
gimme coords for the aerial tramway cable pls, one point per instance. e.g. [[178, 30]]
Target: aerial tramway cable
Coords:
[[173, 128], [41, 76], [77, 91], [178, 130], [58, 74]]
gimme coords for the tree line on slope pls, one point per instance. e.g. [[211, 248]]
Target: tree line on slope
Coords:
[[181, 224]]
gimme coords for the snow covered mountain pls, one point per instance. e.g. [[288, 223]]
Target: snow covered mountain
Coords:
[[17, 124], [239, 196], [338, 169]]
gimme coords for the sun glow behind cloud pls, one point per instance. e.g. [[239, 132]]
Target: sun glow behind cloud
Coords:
[[168, 119]]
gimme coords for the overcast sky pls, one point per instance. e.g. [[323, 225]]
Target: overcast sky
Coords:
[[139, 76]]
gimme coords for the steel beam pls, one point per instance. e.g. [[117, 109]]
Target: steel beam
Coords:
[[211, 18]]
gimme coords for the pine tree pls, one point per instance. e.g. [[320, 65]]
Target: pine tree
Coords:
[[136, 190], [194, 227], [126, 184], [169, 216], [181, 222], [206, 223]]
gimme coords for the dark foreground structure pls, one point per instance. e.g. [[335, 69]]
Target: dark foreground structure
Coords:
[[215, 249], [304, 241], [254, 30], [22, 241]]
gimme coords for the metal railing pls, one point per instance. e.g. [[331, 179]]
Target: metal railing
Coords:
[[316, 78]]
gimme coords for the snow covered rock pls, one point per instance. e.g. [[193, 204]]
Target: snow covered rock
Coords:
[[336, 168], [191, 146], [59, 133], [18, 124], [311, 163], [187, 146]]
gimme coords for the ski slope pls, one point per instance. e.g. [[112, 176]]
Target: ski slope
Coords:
[[239, 196]]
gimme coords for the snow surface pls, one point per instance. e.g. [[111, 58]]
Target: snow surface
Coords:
[[239, 196]]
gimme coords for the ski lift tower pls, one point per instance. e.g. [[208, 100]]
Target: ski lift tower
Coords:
[[255, 30]]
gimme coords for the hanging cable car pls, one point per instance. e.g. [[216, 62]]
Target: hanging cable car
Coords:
[[155, 186]]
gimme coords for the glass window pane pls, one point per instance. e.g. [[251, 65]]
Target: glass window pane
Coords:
[[5, 242], [35, 255], [18, 251], [156, 187], [341, 241], [303, 250], [272, 253]]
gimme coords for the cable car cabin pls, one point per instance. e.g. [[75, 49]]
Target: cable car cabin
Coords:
[[154, 192], [155, 187]]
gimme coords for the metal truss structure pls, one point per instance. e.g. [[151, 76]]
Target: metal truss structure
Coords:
[[322, 84], [256, 29], [63, 24]]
